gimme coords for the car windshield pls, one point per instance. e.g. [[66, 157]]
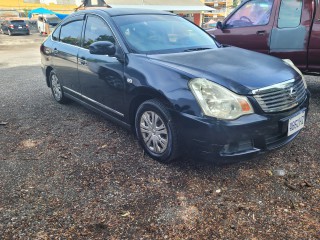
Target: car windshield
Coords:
[[153, 34]]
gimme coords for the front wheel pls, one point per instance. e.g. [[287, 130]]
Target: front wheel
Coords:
[[56, 88], [156, 131]]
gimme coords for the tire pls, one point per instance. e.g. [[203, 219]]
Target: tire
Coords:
[[156, 131], [56, 88]]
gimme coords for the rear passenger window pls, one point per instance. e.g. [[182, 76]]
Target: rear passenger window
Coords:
[[56, 34], [71, 32], [96, 30], [290, 13]]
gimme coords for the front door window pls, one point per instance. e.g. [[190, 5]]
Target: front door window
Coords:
[[96, 30], [253, 13]]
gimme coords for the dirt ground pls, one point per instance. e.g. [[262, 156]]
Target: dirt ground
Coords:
[[67, 173]]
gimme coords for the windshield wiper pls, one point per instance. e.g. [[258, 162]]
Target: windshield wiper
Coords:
[[195, 49]]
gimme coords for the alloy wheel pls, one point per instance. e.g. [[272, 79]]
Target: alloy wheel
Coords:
[[56, 87], [154, 132]]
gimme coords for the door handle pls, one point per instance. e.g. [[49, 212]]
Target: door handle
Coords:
[[263, 32], [55, 51], [83, 61]]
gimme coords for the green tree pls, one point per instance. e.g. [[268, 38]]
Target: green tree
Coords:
[[235, 3]]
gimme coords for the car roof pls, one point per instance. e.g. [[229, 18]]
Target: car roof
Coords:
[[16, 20], [125, 11]]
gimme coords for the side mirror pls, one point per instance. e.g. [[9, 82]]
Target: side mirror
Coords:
[[219, 25], [102, 48]]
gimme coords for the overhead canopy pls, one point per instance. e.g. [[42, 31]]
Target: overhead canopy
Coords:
[[61, 15], [46, 11]]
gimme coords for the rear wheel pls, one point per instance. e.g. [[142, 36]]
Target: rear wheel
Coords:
[[56, 88], [156, 131]]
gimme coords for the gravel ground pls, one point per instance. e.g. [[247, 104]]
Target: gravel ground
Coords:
[[67, 173]]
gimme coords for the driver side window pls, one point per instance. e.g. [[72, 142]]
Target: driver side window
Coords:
[[253, 13]]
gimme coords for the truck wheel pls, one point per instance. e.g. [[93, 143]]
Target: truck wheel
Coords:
[[156, 131]]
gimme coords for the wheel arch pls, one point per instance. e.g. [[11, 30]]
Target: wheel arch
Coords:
[[142, 95], [48, 71]]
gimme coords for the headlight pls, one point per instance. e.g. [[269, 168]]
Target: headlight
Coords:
[[291, 64], [217, 101]]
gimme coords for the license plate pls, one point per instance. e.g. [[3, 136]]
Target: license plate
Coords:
[[19, 27], [296, 123]]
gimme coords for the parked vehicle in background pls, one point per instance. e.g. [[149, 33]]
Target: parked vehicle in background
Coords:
[[17, 26], [169, 81], [287, 29], [47, 22], [1, 22]]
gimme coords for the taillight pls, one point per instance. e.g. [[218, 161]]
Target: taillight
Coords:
[[42, 48], [11, 26], [27, 26]]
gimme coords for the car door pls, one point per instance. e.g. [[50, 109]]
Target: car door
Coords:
[[65, 54], [249, 26], [290, 34], [101, 76], [314, 46]]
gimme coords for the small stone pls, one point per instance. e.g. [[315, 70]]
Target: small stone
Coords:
[[279, 172]]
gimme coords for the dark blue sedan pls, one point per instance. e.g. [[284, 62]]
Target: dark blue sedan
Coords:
[[16, 26], [174, 85]]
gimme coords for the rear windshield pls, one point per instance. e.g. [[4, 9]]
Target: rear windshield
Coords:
[[17, 21]]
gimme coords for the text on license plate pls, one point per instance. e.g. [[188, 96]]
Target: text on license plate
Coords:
[[296, 123]]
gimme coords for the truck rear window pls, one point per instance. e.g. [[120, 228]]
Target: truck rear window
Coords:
[[290, 13]]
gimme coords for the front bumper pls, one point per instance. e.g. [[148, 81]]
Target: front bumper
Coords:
[[249, 135]]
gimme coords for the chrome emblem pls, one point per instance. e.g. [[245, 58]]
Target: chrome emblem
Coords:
[[292, 93]]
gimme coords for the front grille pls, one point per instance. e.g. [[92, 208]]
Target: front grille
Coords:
[[282, 96]]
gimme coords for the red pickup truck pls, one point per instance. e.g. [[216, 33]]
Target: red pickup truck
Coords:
[[287, 29]]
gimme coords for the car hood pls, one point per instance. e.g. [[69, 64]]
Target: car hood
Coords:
[[237, 69]]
